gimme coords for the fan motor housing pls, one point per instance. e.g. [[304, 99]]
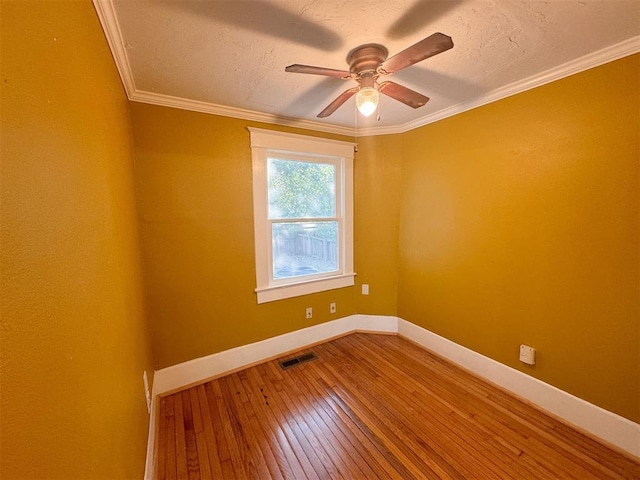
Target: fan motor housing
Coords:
[[366, 58]]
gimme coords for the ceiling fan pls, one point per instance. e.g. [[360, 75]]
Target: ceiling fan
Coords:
[[369, 62]]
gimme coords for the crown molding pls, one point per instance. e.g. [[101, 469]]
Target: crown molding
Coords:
[[108, 19], [591, 60], [225, 111]]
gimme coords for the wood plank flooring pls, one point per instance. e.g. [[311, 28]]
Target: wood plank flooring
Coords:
[[371, 406]]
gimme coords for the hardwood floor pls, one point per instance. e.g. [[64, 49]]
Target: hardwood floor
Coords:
[[370, 406]]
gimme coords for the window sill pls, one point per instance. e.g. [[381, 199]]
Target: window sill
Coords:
[[280, 292]]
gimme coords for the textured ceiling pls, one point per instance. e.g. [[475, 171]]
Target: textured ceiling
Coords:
[[229, 56]]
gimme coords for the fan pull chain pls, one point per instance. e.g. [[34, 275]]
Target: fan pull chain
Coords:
[[355, 110]]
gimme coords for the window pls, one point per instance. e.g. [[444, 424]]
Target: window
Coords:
[[303, 214]]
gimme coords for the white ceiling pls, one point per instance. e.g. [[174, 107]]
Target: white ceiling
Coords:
[[228, 56]]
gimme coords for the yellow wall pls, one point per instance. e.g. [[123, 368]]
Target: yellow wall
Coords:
[[74, 340], [377, 207], [520, 224], [195, 202]]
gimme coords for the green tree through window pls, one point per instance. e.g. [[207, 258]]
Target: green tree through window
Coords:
[[301, 189]]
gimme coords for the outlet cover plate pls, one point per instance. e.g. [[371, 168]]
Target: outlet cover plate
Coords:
[[527, 355]]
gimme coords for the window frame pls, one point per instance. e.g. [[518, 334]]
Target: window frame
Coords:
[[270, 143]]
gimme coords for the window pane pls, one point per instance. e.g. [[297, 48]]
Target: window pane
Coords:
[[304, 248], [301, 189]]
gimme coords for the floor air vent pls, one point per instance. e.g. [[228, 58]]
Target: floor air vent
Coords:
[[292, 362]]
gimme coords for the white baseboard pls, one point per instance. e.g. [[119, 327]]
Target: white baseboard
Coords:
[[149, 468], [199, 369], [376, 323], [608, 426]]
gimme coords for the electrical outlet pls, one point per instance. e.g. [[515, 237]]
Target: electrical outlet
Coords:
[[309, 312], [365, 289], [332, 308], [527, 355], [146, 391]]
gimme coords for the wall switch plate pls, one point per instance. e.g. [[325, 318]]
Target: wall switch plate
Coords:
[[365, 289], [332, 308], [309, 312], [527, 355]]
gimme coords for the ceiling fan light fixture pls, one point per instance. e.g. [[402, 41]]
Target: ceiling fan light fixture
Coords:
[[367, 63], [367, 100]]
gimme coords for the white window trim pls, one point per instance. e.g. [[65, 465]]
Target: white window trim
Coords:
[[264, 142]]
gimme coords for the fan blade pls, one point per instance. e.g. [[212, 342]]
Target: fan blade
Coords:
[[328, 72], [430, 46], [403, 94], [337, 103]]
